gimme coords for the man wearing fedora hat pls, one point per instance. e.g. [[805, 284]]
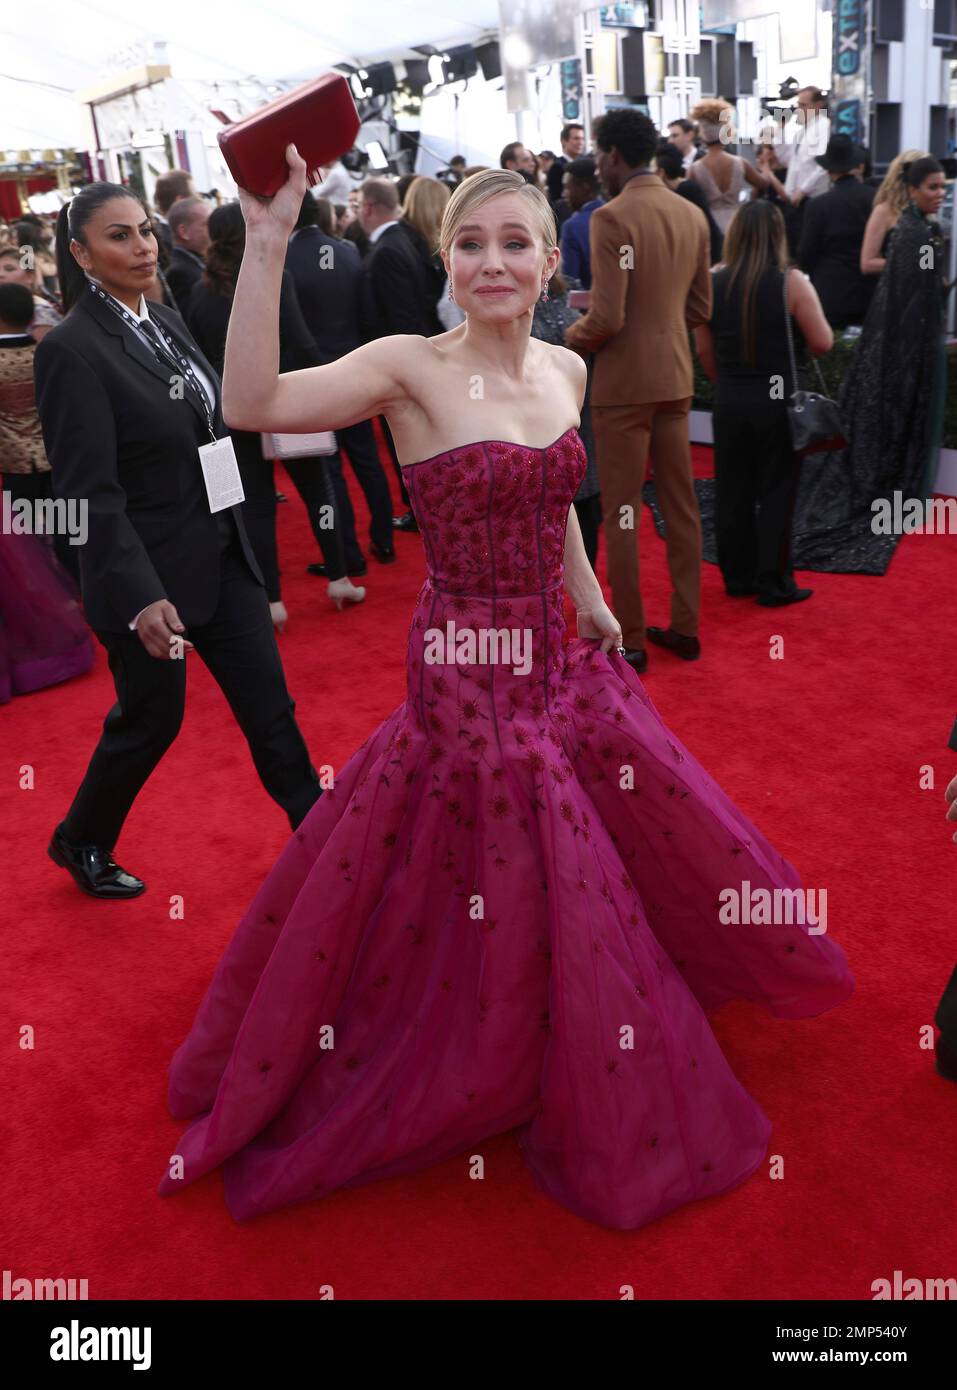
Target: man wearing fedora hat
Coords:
[[832, 233]]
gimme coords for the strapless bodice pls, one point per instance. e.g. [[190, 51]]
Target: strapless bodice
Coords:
[[492, 514]]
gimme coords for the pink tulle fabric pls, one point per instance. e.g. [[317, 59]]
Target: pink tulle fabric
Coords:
[[44, 638], [500, 929]]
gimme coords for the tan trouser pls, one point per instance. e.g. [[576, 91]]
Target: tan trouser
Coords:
[[623, 436]]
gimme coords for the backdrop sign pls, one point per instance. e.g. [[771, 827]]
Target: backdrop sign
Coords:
[[849, 113], [531, 34]]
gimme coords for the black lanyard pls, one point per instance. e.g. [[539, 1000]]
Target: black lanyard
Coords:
[[164, 349]]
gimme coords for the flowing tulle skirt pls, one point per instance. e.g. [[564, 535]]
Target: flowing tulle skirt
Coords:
[[453, 945], [43, 635]]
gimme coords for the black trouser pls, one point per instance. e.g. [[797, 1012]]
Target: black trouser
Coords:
[[588, 511], [259, 506], [314, 481], [395, 461], [238, 645], [33, 486], [315, 487], [756, 475], [360, 445]]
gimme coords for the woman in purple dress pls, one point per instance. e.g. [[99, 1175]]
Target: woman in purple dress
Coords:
[[44, 638], [513, 907]]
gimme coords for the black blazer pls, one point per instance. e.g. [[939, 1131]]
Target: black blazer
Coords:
[[328, 297], [208, 321], [398, 292], [555, 178], [830, 249], [184, 269], [116, 438]]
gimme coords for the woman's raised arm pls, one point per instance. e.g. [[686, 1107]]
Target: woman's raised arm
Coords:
[[255, 396]]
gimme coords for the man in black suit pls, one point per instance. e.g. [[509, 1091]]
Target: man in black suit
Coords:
[[395, 292], [157, 565], [573, 145], [188, 223], [327, 272], [832, 233]]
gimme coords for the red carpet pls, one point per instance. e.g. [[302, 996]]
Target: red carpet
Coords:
[[823, 749]]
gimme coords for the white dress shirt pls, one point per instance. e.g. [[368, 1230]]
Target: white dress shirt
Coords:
[[336, 184], [799, 152], [374, 236], [140, 314]]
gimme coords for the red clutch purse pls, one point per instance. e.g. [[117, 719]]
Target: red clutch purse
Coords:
[[319, 118]]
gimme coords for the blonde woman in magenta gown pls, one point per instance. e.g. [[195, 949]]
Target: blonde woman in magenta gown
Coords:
[[505, 913]]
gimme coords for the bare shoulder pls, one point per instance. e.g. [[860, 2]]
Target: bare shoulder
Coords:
[[406, 357], [572, 365], [800, 289], [397, 347]]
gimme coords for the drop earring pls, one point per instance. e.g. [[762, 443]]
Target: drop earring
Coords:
[[451, 295], [545, 290]]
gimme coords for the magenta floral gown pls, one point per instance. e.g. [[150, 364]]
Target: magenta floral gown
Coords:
[[498, 933]]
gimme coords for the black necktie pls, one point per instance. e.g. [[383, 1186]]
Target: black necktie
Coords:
[[163, 353]]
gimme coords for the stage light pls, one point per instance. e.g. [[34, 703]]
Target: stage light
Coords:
[[517, 52], [460, 63], [490, 59], [417, 75]]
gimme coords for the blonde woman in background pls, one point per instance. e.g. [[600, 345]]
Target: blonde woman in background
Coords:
[[889, 202], [722, 176], [422, 214]]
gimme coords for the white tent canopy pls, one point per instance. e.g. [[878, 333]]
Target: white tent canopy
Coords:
[[50, 51]]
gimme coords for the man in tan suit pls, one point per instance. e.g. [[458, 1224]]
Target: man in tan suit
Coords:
[[651, 282]]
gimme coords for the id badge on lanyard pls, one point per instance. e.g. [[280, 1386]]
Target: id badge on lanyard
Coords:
[[224, 486]]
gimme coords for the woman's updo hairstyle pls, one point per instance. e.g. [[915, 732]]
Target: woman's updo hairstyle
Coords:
[[915, 172], [715, 120], [479, 189], [71, 226]]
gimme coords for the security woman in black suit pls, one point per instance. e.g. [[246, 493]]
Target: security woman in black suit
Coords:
[[126, 399]]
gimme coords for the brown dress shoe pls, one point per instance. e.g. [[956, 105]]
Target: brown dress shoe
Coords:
[[688, 648]]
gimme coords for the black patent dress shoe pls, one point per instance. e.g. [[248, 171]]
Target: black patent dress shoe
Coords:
[[93, 869], [688, 648], [636, 657], [405, 522], [782, 600], [351, 570], [385, 555]]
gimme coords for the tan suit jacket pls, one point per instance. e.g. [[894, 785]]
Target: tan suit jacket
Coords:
[[639, 318]]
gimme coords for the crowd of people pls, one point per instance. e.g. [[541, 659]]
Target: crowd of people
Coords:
[[337, 314], [797, 230]]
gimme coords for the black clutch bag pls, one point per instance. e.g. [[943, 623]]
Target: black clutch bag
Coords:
[[814, 420]]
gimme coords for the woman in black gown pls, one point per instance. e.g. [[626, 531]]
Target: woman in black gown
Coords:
[[891, 399]]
